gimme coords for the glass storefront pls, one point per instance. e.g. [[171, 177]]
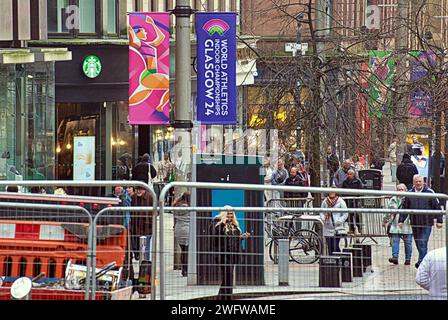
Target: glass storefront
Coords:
[[109, 128], [123, 135], [162, 143], [7, 121], [27, 114]]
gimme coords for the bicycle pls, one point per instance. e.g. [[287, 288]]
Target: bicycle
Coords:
[[305, 245]]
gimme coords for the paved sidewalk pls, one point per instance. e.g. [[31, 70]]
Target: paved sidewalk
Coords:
[[387, 281]]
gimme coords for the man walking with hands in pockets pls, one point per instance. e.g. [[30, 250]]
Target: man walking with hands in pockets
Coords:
[[421, 224]]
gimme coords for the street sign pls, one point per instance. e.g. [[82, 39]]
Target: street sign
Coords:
[[294, 47], [291, 47]]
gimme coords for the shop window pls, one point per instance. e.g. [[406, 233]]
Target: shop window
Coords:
[[22, 267], [122, 140], [112, 16], [52, 268], [78, 18], [8, 266], [87, 16], [57, 16], [39, 129], [37, 267], [8, 93], [64, 265]]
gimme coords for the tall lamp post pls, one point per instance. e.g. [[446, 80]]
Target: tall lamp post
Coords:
[[298, 88], [182, 121]]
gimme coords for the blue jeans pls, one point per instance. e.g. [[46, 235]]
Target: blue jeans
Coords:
[[421, 237], [407, 238]]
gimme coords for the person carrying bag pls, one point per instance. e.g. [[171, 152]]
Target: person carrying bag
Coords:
[[335, 223]]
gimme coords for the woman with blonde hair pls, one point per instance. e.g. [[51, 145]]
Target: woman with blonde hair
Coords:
[[227, 238]]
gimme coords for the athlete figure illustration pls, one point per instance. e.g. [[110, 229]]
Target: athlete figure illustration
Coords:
[[150, 79]]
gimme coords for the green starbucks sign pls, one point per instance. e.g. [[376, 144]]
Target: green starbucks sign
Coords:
[[92, 66]]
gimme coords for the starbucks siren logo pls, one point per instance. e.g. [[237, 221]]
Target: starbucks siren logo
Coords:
[[92, 66]]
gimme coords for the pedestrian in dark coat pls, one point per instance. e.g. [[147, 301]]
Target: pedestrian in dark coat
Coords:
[[227, 237], [421, 224], [406, 171], [123, 168], [332, 164], [298, 179], [354, 219], [341, 175], [141, 222], [142, 169]]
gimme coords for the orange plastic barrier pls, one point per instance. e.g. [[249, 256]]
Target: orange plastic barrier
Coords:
[[28, 248]]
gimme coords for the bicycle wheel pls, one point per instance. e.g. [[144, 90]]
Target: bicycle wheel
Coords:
[[273, 251], [305, 246]]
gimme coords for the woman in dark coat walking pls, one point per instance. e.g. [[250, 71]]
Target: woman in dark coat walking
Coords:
[[406, 171], [227, 241]]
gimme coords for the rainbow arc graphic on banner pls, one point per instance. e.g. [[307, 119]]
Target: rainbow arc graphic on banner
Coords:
[[216, 26]]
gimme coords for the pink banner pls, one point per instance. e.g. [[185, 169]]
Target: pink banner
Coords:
[[149, 68]]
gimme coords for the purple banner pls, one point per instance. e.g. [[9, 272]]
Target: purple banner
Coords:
[[420, 101], [420, 104], [216, 64]]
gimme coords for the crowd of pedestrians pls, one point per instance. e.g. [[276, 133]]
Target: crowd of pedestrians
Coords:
[[412, 229]]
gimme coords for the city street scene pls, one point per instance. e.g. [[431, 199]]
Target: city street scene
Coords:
[[223, 150]]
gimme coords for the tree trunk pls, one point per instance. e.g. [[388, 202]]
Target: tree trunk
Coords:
[[400, 98]]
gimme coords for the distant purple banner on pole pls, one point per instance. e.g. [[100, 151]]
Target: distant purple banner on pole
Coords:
[[421, 102], [216, 64]]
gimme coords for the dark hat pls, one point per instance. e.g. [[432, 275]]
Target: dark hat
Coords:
[[406, 156]]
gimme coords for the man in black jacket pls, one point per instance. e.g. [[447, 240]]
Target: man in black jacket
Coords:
[[141, 170], [352, 182], [295, 179], [332, 164], [406, 171], [421, 224]]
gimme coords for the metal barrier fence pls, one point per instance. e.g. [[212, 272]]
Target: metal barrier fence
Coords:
[[258, 273], [135, 242], [88, 232], [388, 281], [41, 241], [366, 225], [291, 203]]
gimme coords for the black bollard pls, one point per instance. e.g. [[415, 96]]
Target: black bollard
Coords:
[[346, 266], [330, 271], [366, 255], [357, 260]]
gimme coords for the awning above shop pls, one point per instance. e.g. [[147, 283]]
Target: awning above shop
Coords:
[[33, 55]]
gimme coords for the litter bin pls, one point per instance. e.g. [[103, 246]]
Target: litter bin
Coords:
[[330, 271], [346, 265], [357, 260], [371, 179], [366, 255]]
